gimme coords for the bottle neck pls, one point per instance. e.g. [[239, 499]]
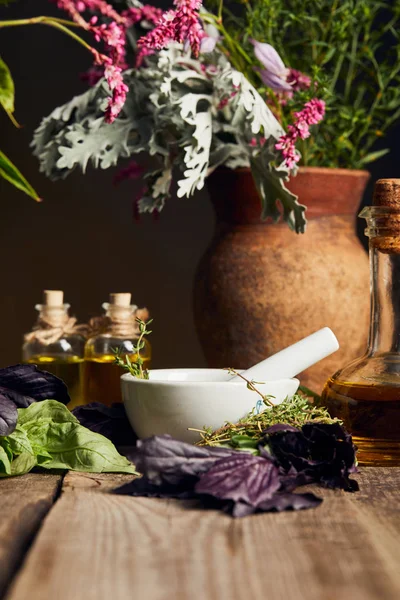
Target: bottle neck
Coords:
[[53, 316], [121, 320], [384, 335]]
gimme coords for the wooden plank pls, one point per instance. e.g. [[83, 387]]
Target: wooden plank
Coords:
[[24, 502], [99, 482], [100, 546]]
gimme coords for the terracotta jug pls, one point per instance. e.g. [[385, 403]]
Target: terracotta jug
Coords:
[[261, 287]]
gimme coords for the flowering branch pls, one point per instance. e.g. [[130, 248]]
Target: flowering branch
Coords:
[[312, 113], [181, 25]]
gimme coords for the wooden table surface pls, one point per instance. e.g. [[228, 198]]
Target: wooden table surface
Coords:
[[69, 539]]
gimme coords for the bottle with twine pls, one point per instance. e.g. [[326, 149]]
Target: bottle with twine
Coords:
[[56, 343], [366, 393], [116, 330]]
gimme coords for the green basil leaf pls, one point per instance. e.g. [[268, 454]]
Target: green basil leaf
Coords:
[[5, 444], [23, 464], [79, 449], [10, 172], [5, 465], [19, 443], [53, 431], [46, 409], [7, 89]]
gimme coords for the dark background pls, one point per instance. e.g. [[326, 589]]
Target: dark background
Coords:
[[82, 238]]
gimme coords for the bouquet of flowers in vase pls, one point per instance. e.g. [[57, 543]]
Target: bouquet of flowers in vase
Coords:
[[240, 85]]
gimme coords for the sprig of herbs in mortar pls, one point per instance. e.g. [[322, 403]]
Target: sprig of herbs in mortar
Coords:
[[296, 411], [135, 365]]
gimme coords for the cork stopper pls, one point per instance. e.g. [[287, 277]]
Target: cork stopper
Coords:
[[53, 310], [120, 316], [122, 299], [387, 193], [53, 298], [383, 217]]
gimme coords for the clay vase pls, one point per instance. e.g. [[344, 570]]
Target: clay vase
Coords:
[[261, 287]]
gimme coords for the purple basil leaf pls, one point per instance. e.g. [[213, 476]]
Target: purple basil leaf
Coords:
[[162, 459], [330, 442], [241, 478], [8, 415], [289, 447], [332, 448], [110, 421], [20, 385], [324, 453], [27, 383]]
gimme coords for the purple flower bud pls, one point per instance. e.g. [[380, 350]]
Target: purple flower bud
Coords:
[[210, 40], [275, 73]]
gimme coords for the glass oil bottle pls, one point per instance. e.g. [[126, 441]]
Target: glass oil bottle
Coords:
[[365, 394], [118, 330], [56, 344]]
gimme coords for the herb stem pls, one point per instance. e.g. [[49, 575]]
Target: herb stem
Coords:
[[251, 386], [52, 22]]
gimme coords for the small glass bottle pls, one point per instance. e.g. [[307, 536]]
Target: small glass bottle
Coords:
[[118, 331], [56, 343], [366, 393]]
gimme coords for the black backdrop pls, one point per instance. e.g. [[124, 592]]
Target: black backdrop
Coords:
[[83, 238]]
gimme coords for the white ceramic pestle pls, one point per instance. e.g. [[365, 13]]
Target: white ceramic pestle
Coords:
[[294, 359]]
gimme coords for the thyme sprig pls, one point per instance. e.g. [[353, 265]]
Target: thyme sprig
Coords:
[[135, 365], [298, 410]]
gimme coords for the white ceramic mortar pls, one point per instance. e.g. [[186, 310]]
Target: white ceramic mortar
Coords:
[[173, 400]]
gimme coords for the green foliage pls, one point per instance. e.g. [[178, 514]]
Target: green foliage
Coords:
[[10, 173], [351, 49], [7, 90], [135, 365], [49, 436], [8, 170]]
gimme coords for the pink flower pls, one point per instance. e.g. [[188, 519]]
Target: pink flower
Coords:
[[187, 25], [298, 80], [312, 113], [145, 13], [119, 89], [158, 38], [180, 25], [113, 36]]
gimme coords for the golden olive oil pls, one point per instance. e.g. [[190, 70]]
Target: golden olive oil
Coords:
[[372, 414], [67, 369], [102, 379]]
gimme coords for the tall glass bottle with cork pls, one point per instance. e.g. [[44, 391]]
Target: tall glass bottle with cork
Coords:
[[366, 393], [118, 330], [56, 343]]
